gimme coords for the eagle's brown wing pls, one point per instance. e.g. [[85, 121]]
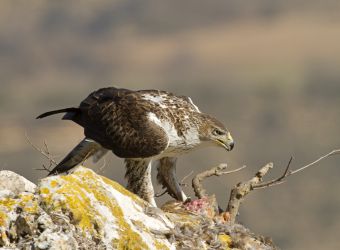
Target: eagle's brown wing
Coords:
[[116, 119]]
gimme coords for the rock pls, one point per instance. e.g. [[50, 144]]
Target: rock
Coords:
[[102, 209], [6, 194], [15, 183], [84, 210], [66, 210], [52, 240]]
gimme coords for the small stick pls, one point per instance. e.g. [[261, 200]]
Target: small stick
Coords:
[[288, 172], [46, 153], [200, 192], [334, 152]]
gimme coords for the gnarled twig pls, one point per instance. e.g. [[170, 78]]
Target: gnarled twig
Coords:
[[200, 192], [242, 189]]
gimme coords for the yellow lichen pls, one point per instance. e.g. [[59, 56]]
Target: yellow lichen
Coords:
[[130, 240], [3, 218], [3, 236], [78, 191], [160, 246], [226, 240], [7, 202], [54, 183], [44, 190], [25, 201], [26, 197], [77, 201], [122, 190], [28, 203]]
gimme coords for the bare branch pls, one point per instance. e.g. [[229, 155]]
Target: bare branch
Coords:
[[288, 172], [200, 192], [45, 152], [45, 168], [46, 148], [334, 152], [276, 181], [234, 170], [239, 192]]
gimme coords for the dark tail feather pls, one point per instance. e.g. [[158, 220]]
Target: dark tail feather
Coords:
[[78, 155], [72, 110]]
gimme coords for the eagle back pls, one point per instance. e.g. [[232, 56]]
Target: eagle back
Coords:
[[117, 120]]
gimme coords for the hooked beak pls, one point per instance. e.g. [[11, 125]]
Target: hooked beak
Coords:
[[227, 142]]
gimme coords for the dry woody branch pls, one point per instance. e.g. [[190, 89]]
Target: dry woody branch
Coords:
[[219, 170], [242, 189]]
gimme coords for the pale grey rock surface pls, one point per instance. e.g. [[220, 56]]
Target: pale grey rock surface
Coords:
[[10, 181]]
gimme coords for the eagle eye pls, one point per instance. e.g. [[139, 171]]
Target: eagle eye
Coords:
[[217, 132]]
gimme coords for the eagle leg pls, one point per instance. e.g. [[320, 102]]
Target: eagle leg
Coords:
[[138, 175], [167, 177]]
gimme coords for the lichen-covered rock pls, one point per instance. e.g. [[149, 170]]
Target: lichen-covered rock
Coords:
[[84, 210], [102, 210], [67, 210]]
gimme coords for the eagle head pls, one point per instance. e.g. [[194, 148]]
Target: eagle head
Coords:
[[212, 130]]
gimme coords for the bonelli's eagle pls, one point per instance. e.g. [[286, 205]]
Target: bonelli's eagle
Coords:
[[145, 127]]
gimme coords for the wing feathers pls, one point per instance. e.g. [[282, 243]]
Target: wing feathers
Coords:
[[79, 154]]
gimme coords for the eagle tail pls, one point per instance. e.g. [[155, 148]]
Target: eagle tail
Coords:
[[70, 112], [77, 156]]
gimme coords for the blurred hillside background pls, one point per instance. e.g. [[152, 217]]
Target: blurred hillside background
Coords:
[[268, 69]]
